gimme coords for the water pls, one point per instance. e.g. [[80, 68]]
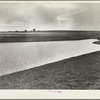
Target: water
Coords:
[[20, 56]]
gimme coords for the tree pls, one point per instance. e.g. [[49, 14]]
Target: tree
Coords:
[[25, 30], [34, 30]]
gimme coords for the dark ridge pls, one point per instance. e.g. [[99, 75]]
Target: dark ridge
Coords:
[[48, 36]]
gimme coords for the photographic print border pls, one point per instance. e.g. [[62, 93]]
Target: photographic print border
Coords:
[[50, 94]]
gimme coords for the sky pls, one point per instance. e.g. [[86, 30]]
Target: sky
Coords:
[[49, 15]]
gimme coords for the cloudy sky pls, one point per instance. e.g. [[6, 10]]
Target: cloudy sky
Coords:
[[50, 15]]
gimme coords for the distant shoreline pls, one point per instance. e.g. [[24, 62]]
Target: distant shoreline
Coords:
[[39, 36], [53, 31]]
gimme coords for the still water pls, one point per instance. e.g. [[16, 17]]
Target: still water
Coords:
[[20, 56]]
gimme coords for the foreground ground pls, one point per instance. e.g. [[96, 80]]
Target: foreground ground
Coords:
[[82, 72]]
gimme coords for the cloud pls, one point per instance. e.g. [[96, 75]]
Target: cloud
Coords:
[[49, 15], [89, 19], [69, 16], [35, 14]]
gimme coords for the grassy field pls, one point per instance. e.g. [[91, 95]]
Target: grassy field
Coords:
[[39, 36], [82, 72]]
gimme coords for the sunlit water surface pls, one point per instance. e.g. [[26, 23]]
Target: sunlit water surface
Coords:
[[20, 56]]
